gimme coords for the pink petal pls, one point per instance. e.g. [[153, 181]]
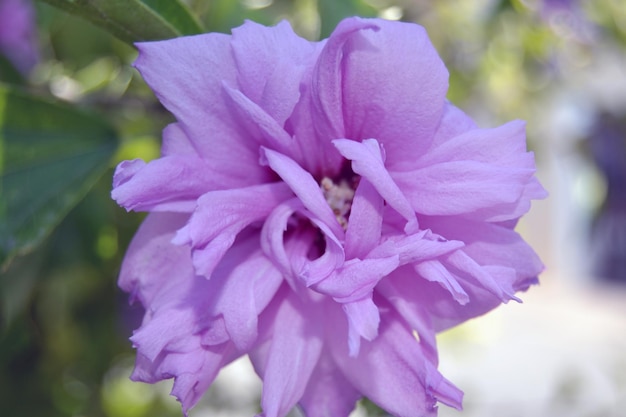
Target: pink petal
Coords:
[[178, 72], [271, 62], [305, 187], [328, 392], [459, 187], [171, 183], [365, 222], [293, 352], [356, 278], [327, 101], [318, 117], [393, 372], [259, 125], [363, 321], [367, 161], [247, 282], [394, 85], [151, 261], [221, 215], [417, 247], [406, 303], [176, 141], [491, 244], [434, 270]]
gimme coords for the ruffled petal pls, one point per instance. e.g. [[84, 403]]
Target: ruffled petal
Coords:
[[271, 63], [318, 117], [305, 187], [417, 247], [152, 263], [259, 125], [394, 87], [405, 302], [365, 221], [363, 320], [368, 161], [435, 271], [491, 244], [480, 173], [289, 360], [177, 71], [393, 371], [328, 393], [221, 215], [172, 183], [247, 282], [356, 278]]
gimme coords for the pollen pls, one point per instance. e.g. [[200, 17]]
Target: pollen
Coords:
[[339, 198]]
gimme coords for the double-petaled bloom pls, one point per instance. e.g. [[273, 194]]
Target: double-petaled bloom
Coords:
[[321, 207]]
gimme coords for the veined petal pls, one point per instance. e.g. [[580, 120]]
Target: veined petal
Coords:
[[491, 244], [459, 187], [176, 142], [365, 222], [305, 187], [363, 320], [271, 63], [454, 122], [473, 271], [295, 347], [328, 393], [416, 247], [434, 270], [221, 215], [295, 262], [172, 183], [259, 124], [151, 261], [248, 280], [394, 87], [367, 161], [327, 100], [405, 302], [393, 372], [356, 278]]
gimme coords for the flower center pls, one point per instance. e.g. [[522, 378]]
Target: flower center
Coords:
[[339, 197]]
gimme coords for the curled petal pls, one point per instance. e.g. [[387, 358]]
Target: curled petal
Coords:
[[434, 270], [367, 161], [363, 321], [356, 278], [248, 281], [416, 247], [176, 69], [365, 222], [305, 187], [393, 371], [221, 215], [151, 262], [394, 87], [172, 183]]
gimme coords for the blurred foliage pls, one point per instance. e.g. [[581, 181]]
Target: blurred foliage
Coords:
[[64, 324]]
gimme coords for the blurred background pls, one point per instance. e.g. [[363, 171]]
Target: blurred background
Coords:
[[559, 64]]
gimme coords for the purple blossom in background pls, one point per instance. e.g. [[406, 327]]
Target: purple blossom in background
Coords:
[[18, 36], [321, 207]]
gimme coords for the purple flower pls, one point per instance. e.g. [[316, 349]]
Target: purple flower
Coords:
[[321, 207], [17, 34]]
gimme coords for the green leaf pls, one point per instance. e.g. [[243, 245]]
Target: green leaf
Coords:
[[135, 20], [50, 155]]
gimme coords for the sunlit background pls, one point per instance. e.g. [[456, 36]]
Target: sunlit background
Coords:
[[558, 64]]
